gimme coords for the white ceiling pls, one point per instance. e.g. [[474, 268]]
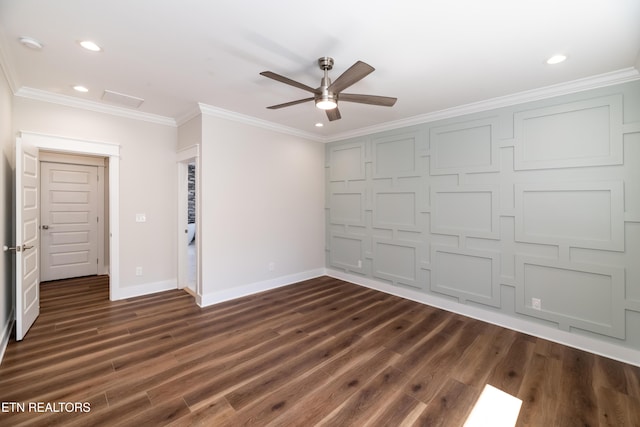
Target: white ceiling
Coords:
[[431, 55]]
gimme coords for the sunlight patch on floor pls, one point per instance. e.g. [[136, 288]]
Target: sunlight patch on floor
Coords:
[[495, 408]]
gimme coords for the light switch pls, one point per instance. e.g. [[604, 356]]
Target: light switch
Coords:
[[141, 218]]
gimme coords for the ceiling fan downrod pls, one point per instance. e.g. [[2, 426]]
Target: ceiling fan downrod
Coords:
[[326, 100]]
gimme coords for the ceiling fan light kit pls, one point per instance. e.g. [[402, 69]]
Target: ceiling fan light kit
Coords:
[[327, 95]]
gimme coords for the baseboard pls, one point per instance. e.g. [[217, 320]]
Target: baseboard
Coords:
[[581, 342], [6, 334], [124, 292], [253, 288]]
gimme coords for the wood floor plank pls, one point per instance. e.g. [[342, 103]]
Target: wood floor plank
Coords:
[[233, 378], [580, 404], [303, 363], [320, 403], [365, 403], [508, 373], [400, 410], [321, 351], [539, 383], [451, 406]]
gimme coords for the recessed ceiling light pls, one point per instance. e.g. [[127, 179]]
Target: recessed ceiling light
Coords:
[[31, 43], [319, 125], [556, 59], [89, 45], [80, 88]]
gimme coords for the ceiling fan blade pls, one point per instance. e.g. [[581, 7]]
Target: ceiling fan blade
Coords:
[[385, 101], [289, 104], [333, 114], [354, 74], [288, 81]]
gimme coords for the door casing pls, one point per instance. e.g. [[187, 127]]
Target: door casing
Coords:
[[93, 148], [183, 158]]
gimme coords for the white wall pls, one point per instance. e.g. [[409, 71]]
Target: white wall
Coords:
[[190, 133], [6, 219], [147, 184], [262, 197]]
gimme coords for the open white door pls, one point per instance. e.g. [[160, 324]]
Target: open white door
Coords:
[[27, 232]]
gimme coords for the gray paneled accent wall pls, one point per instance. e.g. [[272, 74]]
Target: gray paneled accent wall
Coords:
[[530, 211]]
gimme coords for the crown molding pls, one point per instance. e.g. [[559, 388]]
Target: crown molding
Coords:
[[69, 101], [253, 121], [580, 85], [190, 114], [574, 86]]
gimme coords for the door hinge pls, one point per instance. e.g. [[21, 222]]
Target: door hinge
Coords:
[[97, 261], [97, 219]]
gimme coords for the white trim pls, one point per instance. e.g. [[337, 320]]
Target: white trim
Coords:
[[188, 153], [184, 156], [70, 101], [252, 121], [6, 334], [144, 289], [112, 151], [193, 113], [254, 288], [607, 79], [581, 342], [72, 145], [71, 159], [601, 80]]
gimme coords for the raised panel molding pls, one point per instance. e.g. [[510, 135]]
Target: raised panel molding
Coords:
[[581, 214], [396, 262], [464, 147], [347, 252], [396, 155], [395, 209], [577, 134], [346, 208], [490, 210], [466, 274], [347, 162], [465, 211], [584, 296]]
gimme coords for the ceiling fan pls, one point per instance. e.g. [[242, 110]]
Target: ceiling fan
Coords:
[[327, 95]]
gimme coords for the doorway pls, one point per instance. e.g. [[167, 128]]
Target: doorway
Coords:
[[191, 228], [109, 156], [188, 219], [72, 218]]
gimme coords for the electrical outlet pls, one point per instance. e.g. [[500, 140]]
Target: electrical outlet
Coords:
[[141, 217], [536, 303], [138, 271], [359, 263], [271, 266]]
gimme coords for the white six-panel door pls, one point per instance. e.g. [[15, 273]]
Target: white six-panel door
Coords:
[[69, 217], [27, 233]]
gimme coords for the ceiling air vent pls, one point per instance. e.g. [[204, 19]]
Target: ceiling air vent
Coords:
[[122, 99]]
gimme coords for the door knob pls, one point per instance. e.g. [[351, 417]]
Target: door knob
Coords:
[[16, 248], [45, 227]]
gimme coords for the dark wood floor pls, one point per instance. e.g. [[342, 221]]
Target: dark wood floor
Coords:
[[318, 352]]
